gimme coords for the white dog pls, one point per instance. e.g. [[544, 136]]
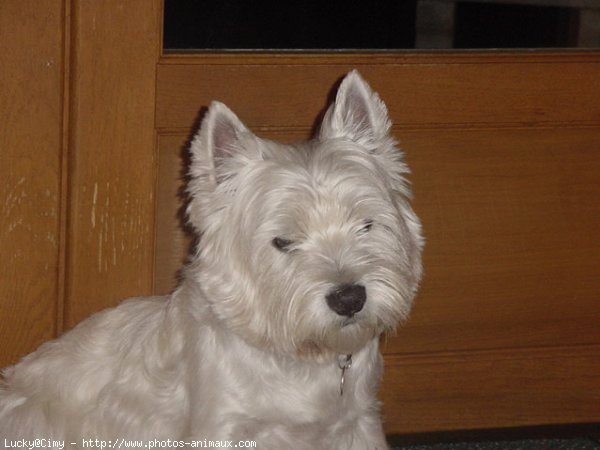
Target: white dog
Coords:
[[308, 252]]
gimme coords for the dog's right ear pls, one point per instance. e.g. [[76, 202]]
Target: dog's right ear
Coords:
[[219, 151], [218, 140]]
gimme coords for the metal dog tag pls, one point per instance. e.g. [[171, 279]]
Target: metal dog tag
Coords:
[[344, 362]]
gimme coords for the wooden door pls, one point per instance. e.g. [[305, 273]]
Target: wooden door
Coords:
[[77, 166], [31, 107], [77, 162], [504, 152]]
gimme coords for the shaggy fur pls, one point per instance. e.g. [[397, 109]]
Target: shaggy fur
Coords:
[[308, 252]]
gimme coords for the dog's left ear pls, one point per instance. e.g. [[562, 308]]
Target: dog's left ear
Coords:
[[357, 114]]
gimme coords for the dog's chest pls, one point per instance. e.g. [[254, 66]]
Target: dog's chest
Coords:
[[303, 394], [299, 395], [304, 401]]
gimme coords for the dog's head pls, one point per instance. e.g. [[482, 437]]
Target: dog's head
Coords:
[[308, 248]]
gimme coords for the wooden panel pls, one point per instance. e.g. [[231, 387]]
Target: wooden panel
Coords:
[[420, 89], [116, 47], [511, 220], [503, 388], [31, 80], [173, 239]]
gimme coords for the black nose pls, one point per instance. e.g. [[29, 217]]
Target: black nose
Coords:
[[347, 300]]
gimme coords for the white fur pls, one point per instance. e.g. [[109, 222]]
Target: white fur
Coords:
[[247, 347]]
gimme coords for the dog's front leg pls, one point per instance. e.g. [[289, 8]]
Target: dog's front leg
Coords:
[[367, 435]]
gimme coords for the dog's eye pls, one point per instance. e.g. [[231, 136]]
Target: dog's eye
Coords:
[[281, 244], [367, 225]]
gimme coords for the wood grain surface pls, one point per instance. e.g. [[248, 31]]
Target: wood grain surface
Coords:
[[31, 107], [501, 388], [420, 89], [112, 161]]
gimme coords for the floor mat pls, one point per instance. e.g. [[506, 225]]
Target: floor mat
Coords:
[[534, 444]]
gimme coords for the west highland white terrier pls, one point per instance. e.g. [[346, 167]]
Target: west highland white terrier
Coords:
[[308, 253]]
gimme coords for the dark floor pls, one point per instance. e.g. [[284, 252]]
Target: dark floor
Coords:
[[552, 437], [529, 444]]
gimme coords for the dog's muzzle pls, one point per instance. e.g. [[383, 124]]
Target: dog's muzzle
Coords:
[[347, 300]]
